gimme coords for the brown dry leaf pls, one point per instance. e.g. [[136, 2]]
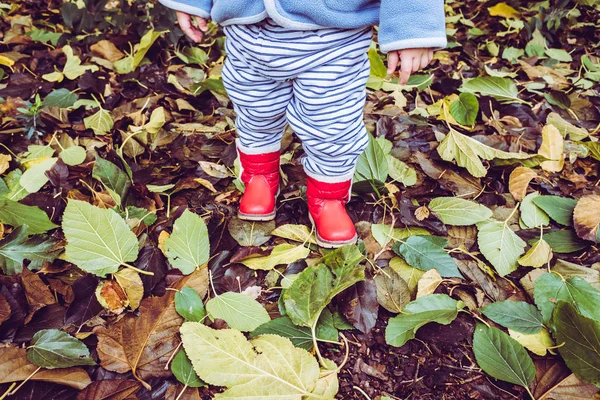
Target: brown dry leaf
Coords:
[[572, 389], [107, 50], [144, 344], [4, 309], [528, 281], [428, 283], [4, 162], [519, 182], [132, 284], [112, 296], [549, 372], [190, 393], [15, 367], [466, 187], [422, 213], [586, 217], [533, 73], [462, 236], [110, 390], [37, 293], [553, 148]]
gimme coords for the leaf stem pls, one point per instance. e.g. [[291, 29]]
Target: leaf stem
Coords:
[[182, 392], [139, 271], [529, 392], [313, 330], [7, 393]]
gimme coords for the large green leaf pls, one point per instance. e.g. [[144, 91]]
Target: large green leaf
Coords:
[[502, 357], [464, 110], [468, 153], [18, 247], [184, 371], [566, 128], [580, 339], [460, 212], [519, 316], [386, 233], [53, 348], [268, 367], [17, 214], [35, 177], [114, 179], [531, 215], [500, 245], [565, 241], [101, 122], [400, 172], [427, 252], [189, 305], [438, 308], [73, 155], [188, 247], [62, 98], [558, 208], [503, 89], [372, 164], [239, 310], [551, 288], [317, 285], [299, 335], [98, 240]]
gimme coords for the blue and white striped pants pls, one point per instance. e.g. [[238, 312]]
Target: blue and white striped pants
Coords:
[[313, 80]]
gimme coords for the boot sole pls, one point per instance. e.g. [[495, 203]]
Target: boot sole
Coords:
[[326, 244], [256, 217]]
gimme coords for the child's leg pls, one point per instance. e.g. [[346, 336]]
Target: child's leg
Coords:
[[327, 114]]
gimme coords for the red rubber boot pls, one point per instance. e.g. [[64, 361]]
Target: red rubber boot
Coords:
[[327, 208], [260, 174]]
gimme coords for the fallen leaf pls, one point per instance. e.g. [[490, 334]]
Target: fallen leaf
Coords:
[[553, 148], [429, 282], [519, 182], [586, 217]]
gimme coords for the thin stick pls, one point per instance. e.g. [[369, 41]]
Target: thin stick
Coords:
[[182, 392], [25, 381], [139, 271]]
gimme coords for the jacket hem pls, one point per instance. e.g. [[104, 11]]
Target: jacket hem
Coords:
[[286, 22], [417, 43], [245, 20], [257, 150], [186, 8]]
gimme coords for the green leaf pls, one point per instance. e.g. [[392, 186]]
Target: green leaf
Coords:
[[282, 254], [18, 247], [52, 348], [566, 128], [393, 292], [284, 327], [427, 252], [114, 179], [35, 177], [502, 357], [400, 172], [101, 122], [580, 337], [565, 241], [519, 316], [468, 153], [531, 215], [550, 288], [438, 308], [559, 55], [465, 109], [268, 367], [239, 310], [317, 285], [73, 155], [558, 208], [62, 98], [297, 233], [17, 214], [188, 247], [372, 164], [99, 240], [500, 245], [189, 305], [378, 68], [131, 62], [460, 212], [503, 89], [73, 68], [184, 371]]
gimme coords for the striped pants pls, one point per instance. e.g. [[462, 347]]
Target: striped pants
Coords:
[[313, 80]]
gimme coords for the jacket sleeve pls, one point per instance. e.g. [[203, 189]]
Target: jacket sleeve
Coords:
[[200, 8], [406, 24]]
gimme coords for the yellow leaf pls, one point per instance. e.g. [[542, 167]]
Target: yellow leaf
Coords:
[[538, 343], [553, 148], [429, 282], [55, 76], [411, 275], [504, 10], [538, 256], [519, 182], [162, 238], [281, 254], [6, 61], [206, 184], [297, 233], [132, 284], [4, 162], [73, 68]]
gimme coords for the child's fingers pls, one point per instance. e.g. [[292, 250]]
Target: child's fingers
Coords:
[[416, 63], [202, 23], [406, 68], [185, 22], [424, 60], [393, 60]]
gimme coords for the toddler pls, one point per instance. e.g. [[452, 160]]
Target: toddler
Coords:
[[304, 62]]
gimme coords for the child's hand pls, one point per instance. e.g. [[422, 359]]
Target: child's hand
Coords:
[[185, 22], [411, 60]]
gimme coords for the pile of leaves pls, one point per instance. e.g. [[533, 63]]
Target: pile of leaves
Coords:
[[126, 274]]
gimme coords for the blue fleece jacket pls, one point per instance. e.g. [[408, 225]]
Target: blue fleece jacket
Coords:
[[402, 24]]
